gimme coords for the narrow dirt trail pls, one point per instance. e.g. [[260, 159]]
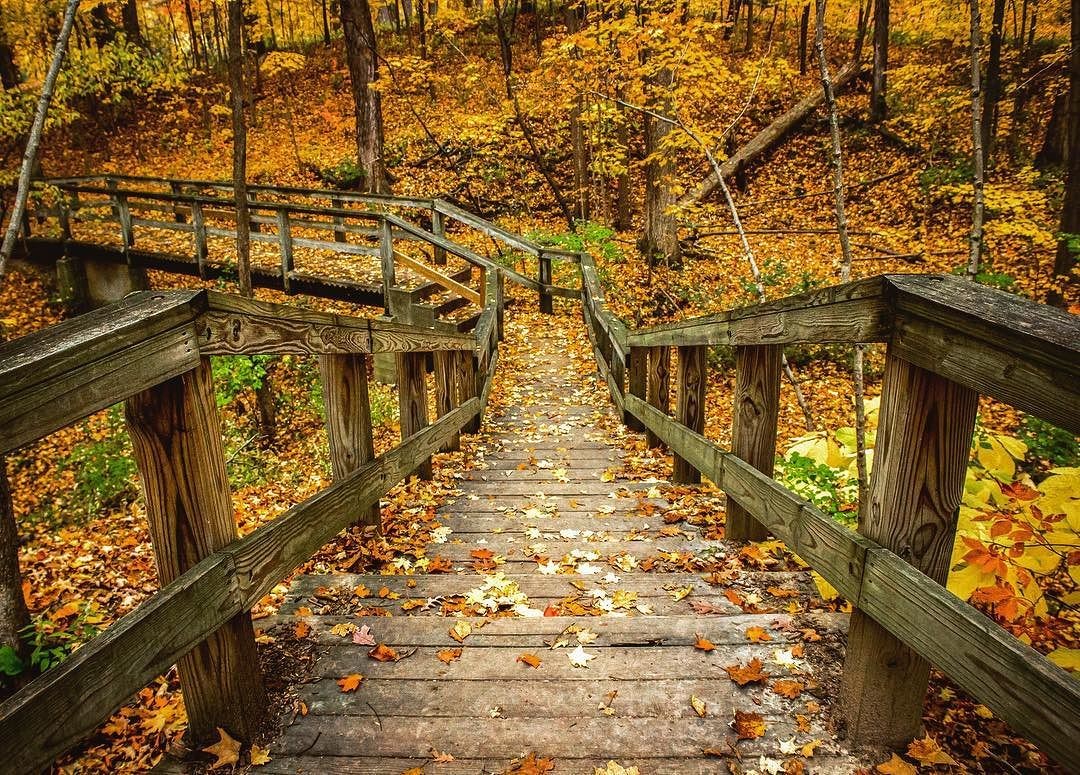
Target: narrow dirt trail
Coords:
[[557, 548]]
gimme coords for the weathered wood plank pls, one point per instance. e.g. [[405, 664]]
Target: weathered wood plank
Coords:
[[176, 442], [446, 396], [435, 277], [920, 461], [658, 391], [348, 419], [412, 401], [753, 426], [690, 406]]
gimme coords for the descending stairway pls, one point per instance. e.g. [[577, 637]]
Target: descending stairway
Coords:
[[543, 489]]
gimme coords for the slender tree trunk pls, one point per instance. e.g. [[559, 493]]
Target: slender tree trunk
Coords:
[[362, 56], [1069, 242], [993, 83], [325, 24], [845, 248], [421, 19], [804, 29], [130, 21], [29, 162], [9, 71], [193, 36], [239, 127], [975, 248], [878, 85], [13, 613], [660, 241]]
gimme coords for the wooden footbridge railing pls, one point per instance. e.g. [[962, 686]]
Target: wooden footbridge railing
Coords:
[[949, 341], [151, 351]]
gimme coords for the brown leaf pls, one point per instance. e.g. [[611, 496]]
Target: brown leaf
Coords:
[[302, 629], [698, 705], [225, 749], [896, 766], [383, 653], [350, 683], [749, 673], [449, 655], [927, 751], [787, 688], [748, 725]]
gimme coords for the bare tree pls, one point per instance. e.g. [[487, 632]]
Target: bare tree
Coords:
[[845, 247], [993, 83], [1069, 237], [363, 59], [239, 127], [22, 192], [878, 83], [978, 206]]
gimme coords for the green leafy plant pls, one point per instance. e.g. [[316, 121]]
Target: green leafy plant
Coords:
[[50, 640], [346, 174], [1049, 442], [833, 490], [234, 374]]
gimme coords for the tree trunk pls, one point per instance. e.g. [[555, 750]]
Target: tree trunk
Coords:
[[13, 613], [325, 24], [193, 37], [878, 107], [1069, 244], [130, 19], [9, 71], [977, 151], [804, 29], [239, 127], [1053, 150], [993, 83], [30, 157], [102, 26], [362, 56], [660, 241]]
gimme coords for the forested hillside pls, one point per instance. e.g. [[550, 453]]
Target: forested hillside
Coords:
[[708, 156]]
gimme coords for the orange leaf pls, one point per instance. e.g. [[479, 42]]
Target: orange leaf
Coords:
[[748, 725], [302, 629], [927, 751], [350, 683], [896, 766], [787, 688], [449, 655], [757, 634], [482, 554], [750, 673], [383, 653], [703, 644], [530, 659]]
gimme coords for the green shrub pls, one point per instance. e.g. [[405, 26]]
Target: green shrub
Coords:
[[49, 643], [1048, 442], [346, 175], [830, 489], [233, 374]]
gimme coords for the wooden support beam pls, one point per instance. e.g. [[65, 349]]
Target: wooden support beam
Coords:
[[339, 221], [544, 278], [412, 400], [500, 303], [176, 442], [438, 227], [690, 407], [920, 461], [658, 391], [753, 426], [198, 223], [386, 255], [446, 397], [440, 279], [466, 386], [637, 383], [177, 207], [285, 243], [348, 420], [127, 232]]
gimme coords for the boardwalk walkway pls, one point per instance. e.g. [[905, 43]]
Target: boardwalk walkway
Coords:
[[551, 534]]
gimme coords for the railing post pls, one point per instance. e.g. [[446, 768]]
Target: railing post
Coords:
[[690, 408], [198, 227], [500, 302], [658, 391], [920, 462], [637, 382], [544, 277], [176, 441], [285, 241], [446, 398], [386, 254], [178, 214], [127, 232], [64, 217], [412, 400], [466, 385], [253, 226], [483, 286], [753, 426], [438, 228], [348, 419], [339, 221]]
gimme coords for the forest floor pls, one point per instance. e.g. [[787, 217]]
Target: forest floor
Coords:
[[88, 564]]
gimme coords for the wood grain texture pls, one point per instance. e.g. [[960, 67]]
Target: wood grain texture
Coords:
[[920, 461], [658, 393], [446, 395], [348, 419], [465, 384], [690, 406], [412, 401], [637, 383], [753, 426], [176, 442]]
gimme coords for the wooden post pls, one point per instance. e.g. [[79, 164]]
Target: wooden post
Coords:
[[445, 394], [438, 228], [178, 214], [483, 287], [63, 214], [386, 253], [339, 221], [198, 226], [920, 462], [690, 407], [500, 302], [637, 383], [254, 226], [286, 246], [753, 426], [348, 419], [544, 277], [658, 391], [176, 440], [127, 232], [465, 384], [412, 400]]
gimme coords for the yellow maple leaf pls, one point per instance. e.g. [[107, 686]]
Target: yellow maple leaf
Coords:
[[896, 766], [927, 751], [259, 756]]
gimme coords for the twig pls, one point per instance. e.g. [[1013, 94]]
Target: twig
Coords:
[[313, 742]]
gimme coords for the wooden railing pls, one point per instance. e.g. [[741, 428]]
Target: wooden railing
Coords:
[[151, 351], [948, 342], [286, 219]]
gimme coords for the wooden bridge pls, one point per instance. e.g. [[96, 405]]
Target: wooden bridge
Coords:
[[525, 542]]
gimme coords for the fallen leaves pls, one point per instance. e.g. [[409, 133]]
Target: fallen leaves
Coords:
[[461, 630], [383, 653], [226, 750], [787, 688], [927, 751], [748, 725], [703, 644], [751, 672], [579, 657], [449, 655], [530, 659], [350, 683], [698, 705], [259, 756], [895, 766], [757, 635], [363, 636]]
